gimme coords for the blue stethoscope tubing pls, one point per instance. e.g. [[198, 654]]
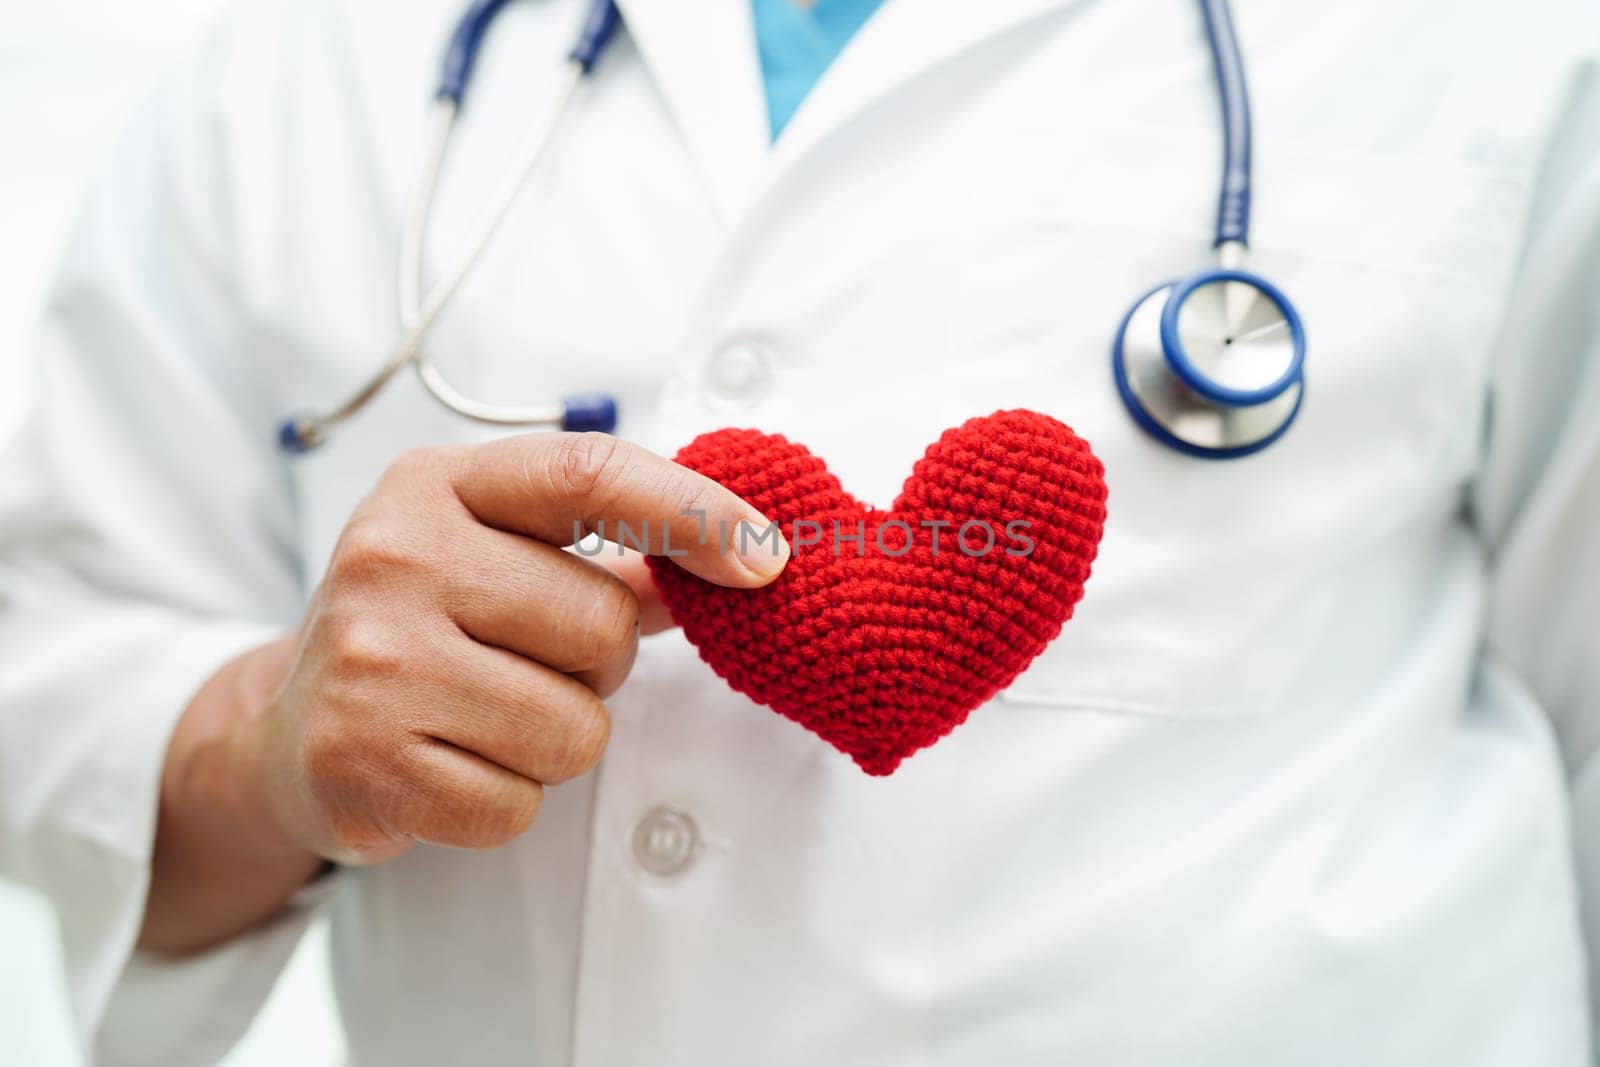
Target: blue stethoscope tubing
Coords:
[[1224, 310], [304, 432]]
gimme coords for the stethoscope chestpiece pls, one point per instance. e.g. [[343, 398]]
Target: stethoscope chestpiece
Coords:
[[1212, 365]]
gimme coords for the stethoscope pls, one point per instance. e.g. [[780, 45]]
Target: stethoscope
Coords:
[[1213, 365], [1210, 365]]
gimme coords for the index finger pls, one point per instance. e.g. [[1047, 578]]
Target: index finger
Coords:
[[559, 487]]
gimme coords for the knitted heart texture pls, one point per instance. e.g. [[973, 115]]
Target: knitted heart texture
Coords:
[[887, 628]]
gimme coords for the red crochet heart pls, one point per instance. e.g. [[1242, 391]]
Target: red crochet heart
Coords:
[[877, 648]]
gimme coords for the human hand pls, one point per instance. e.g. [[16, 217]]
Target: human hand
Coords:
[[455, 658]]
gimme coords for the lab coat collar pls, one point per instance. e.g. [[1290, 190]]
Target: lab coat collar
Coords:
[[702, 54], [902, 40]]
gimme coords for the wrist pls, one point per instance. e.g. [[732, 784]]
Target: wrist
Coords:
[[221, 864], [220, 765]]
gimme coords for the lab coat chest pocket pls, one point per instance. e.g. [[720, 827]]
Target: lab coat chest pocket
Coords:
[[1218, 582]]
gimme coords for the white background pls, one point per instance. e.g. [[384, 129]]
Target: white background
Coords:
[[68, 71]]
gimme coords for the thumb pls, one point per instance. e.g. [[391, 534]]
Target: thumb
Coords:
[[630, 567]]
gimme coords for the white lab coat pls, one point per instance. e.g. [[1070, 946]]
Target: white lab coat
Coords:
[[1287, 789]]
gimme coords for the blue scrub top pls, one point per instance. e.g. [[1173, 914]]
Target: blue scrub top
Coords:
[[797, 40]]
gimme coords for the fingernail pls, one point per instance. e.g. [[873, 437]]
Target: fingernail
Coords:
[[760, 547]]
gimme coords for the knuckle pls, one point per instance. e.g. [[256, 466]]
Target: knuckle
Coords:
[[373, 550], [584, 463], [356, 835], [444, 803], [582, 742], [337, 758], [362, 649], [478, 817], [335, 766], [326, 756], [610, 624], [619, 609], [505, 820]]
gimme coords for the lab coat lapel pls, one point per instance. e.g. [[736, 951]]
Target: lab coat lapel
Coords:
[[902, 39], [702, 56]]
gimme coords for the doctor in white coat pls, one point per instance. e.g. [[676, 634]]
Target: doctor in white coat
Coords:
[[1310, 778]]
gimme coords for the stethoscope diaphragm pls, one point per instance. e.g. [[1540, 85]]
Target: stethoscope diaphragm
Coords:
[[1213, 365]]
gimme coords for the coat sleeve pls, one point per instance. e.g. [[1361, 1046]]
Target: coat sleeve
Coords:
[[147, 535], [1538, 497]]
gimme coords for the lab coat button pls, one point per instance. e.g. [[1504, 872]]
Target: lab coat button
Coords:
[[665, 841], [738, 375]]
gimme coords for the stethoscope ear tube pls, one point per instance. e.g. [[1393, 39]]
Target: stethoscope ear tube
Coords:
[[462, 53], [600, 22], [303, 433], [598, 27]]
